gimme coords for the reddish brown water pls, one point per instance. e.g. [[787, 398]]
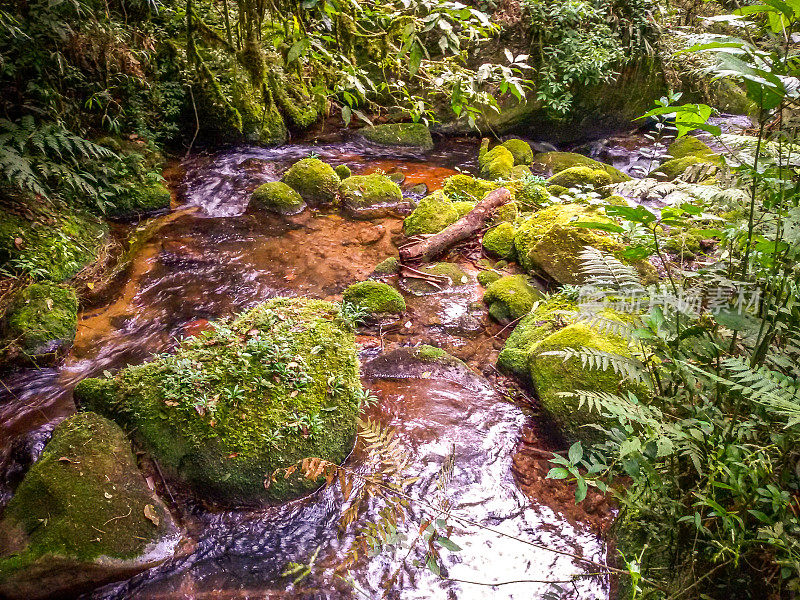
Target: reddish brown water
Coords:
[[219, 259]]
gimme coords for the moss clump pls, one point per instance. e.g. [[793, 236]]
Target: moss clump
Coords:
[[79, 518], [375, 298], [141, 201], [433, 213], [314, 180], [41, 320], [411, 135], [55, 249], [688, 146], [556, 162], [463, 207], [369, 191], [532, 196], [520, 150], [495, 163], [465, 187], [510, 297], [507, 213], [486, 278], [389, 266], [684, 243], [233, 404], [278, 197], [343, 171], [675, 167], [499, 241], [581, 177], [455, 276]]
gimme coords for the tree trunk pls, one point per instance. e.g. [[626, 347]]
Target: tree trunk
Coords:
[[465, 227]]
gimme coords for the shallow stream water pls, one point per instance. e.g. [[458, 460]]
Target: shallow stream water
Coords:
[[211, 257]]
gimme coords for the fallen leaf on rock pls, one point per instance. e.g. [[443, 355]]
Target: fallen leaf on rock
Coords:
[[151, 514]]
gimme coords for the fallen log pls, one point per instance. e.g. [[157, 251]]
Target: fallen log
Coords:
[[466, 226]]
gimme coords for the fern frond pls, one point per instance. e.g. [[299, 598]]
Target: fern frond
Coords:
[[604, 271], [600, 323], [600, 360]]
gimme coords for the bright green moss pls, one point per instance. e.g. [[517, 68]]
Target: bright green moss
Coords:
[[532, 196], [485, 278], [495, 163], [343, 171], [375, 297], [314, 180], [520, 150], [510, 297], [233, 404], [454, 274], [558, 161], [364, 191], [675, 167], [464, 187], [412, 135], [433, 213], [581, 177], [499, 241], [463, 207], [42, 319], [389, 266], [688, 146], [507, 213], [278, 197], [141, 201], [81, 506]]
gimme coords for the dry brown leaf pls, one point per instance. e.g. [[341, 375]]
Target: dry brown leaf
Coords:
[[151, 514]]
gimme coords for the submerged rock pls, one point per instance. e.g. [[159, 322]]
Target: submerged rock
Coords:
[[40, 322], [314, 180], [510, 298], [422, 362], [520, 150], [448, 276], [369, 196], [277, 384], [375, 298], [410, 135], [278, 197], [82, 517]]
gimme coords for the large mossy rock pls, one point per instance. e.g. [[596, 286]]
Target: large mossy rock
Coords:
[[578, 177], [83, 516], [465, 187], [408, 135], [433, 213], [520, 150], [140, 201], [277, 197], [688, 146], [369, 196], [315, 181], [556, 162], [510, 297], [496, 163], [375, 298], [499, 241], [277, 384], [40, 321]]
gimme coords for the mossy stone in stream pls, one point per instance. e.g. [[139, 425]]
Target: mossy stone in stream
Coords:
[[278, 197], [343, 171], [556, 162], [532, 196], [485, 278], [41, 320], [463, 207], [510, 298], [688, 146], [465, 187], [140, 201], [520, 150], [388, 266], [83, 516], [496, 163], [433, 213], [410, 135], [314, 180], [365, 193], [581, 177], [499, 241], [235, 403], [375, 298], [675, 167]]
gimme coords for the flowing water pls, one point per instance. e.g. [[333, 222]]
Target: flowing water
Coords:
[[212, 257]]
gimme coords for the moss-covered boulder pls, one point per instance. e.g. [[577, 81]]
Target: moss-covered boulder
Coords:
[[277, 197], [83, 516], [343, 171], [463, 207], [510, 298], [140, 201], [375, 298], [432, 214], [532, 196], [388, 266], [581, 177], [496, 163], [507, 213], [556, 162], [40, 322], [314, 180], [520, 150], [499, 241], [675, 167], [688, 146], [369, 196], [487, 277], [446, 277], [465, 187], [409, 135], [277, 384]]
